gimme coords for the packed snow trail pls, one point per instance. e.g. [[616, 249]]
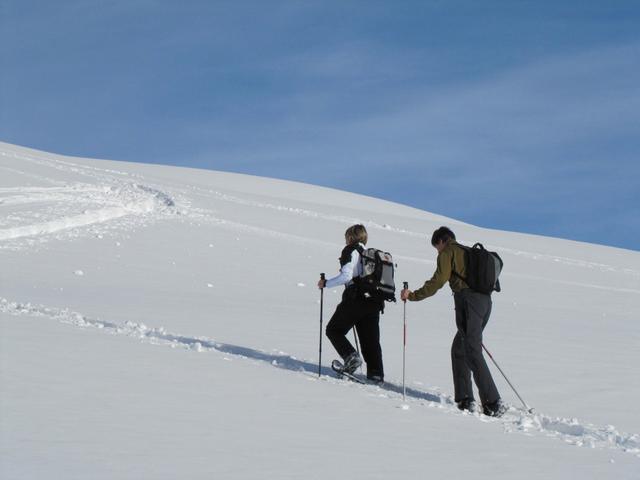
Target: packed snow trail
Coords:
[[99, 200], [115, 202], [570, 430]]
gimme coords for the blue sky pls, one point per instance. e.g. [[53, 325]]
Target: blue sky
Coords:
[[515, 115]]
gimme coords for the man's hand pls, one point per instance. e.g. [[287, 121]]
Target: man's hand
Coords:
[[404, 294], [321, 283]]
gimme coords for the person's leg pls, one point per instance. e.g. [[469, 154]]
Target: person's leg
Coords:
[[463, 388], [368, 329], [478, 309], [341, 322]]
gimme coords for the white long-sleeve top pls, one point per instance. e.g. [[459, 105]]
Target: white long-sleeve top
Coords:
[[348, 271]]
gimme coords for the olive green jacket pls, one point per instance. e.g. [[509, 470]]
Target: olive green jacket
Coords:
[[450, 259]]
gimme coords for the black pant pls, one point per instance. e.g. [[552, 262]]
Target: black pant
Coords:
[[364, 314], [472, 314]]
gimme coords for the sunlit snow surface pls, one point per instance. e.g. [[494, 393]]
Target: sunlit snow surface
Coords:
[[158, 322]]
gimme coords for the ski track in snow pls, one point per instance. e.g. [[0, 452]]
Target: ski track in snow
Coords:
[[570, 430], [72, 208], [111, 203], [39, 178]]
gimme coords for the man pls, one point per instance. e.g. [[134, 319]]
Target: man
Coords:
[[472, 314]]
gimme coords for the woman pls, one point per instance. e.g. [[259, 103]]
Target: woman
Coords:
[[355, 309]]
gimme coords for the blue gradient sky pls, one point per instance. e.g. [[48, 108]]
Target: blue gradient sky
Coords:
[[515, 115]]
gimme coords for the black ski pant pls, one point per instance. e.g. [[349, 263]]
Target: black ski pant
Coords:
[[472, 314], [364, 315]]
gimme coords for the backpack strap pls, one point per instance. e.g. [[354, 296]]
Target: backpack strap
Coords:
[[360, 250], [453, 272], [453, 266], [345, 256]]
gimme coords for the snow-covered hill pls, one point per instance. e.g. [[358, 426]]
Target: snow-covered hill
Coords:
[[159, 322]]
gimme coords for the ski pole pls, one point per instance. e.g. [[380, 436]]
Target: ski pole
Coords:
[[530, 410], [320, 341], [355, 336], [404, 341]]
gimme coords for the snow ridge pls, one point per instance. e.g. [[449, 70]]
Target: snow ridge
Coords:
[[569, 430], [93, 204], [120, 194], [114, 202]]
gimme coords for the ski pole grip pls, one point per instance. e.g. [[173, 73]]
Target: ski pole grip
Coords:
[[322, 278], [405, 285]]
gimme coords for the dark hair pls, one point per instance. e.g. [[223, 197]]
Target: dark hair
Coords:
[[443, 234]]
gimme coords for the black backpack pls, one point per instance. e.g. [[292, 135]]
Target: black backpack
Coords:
[[483, 269], [377, 274]]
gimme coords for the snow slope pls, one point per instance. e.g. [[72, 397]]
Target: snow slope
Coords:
[[161, 322]]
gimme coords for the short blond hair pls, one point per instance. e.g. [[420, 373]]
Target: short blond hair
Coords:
[[356, 234]]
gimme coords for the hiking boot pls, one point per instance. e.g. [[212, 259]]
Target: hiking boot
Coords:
[[468, 404], [375, 379], [352, 363], [494, 409]]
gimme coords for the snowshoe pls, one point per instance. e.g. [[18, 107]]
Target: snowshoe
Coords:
[[339, 368], [494, 409], [375, 380], [467, 405], [352, 363]]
